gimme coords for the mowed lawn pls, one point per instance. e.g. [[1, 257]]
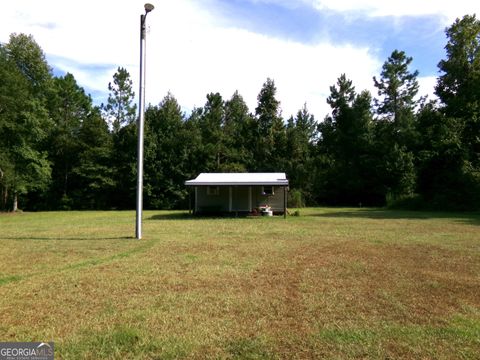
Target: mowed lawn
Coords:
[[331, 283]]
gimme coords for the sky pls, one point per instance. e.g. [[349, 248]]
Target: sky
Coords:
[[195, 47]]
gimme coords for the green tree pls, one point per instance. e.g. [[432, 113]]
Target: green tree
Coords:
[[238, 135], [124, 165], [12, 87], [396, 136], [397, 86], [458, 86], [120, 110], [70, 107], [443, 180], [196, 159], [30, 60], [211, 124], [166, 155], [269, 151], [451, 134], [120, 114], [94, 173], [24, 121], [301, 135], [346, 174]]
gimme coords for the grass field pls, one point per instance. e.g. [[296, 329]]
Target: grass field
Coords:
[[332, 283]]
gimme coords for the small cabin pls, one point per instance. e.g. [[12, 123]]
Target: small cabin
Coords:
[[239, 192]]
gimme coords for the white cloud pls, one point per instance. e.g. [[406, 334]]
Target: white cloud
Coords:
[[70, 29], [449, 10], [195, 55], [92, 78], [427, 86], [204, 58], [77, 33], [189, 51]]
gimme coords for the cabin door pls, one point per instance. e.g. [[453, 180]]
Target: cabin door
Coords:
[[240, 198]]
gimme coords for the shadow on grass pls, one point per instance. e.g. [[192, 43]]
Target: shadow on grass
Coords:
[[187, 216], [172, 216], [82, 264], [472, 218], [38, 238]]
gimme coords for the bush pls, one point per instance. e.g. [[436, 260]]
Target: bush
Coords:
[[66, 203], [296, 213], [295, 199], [407, 202]]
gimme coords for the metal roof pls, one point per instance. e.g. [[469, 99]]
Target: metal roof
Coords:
[[216, 179]]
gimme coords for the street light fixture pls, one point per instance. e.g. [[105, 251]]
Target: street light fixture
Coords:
[[141, 119], [148, 8]]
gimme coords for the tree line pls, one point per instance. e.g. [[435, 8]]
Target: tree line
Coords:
[[59, 151]]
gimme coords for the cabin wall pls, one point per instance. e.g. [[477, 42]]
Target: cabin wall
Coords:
[[238, 198], [211, 203], [275, 201]]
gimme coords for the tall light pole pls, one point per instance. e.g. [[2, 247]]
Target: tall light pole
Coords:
[[141, 119]]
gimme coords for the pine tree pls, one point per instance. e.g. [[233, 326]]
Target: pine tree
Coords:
[[70, 106], [95, 176], [450, 160], [166, 155], [119, 110], [346, 174], [211, 123], [269, 151], [396, 135], [301, 135], [458, 86], [237, 135]]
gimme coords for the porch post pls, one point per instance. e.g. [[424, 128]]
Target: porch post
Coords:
[[189, 201], [196, 200], [229, 199], [284, 202], [250, 198]]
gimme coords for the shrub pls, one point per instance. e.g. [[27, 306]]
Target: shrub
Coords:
[[295, 199]]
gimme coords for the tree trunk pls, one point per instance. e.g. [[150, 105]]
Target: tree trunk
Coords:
[[15, 202], [2, 193], [65, 181], [4, 199]]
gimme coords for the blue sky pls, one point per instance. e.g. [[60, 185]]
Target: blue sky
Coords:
[[421, 37], [201, 46]]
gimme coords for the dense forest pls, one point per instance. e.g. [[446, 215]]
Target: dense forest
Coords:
[[59, 151]]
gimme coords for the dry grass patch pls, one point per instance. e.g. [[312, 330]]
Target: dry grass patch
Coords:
[[334, 283]]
